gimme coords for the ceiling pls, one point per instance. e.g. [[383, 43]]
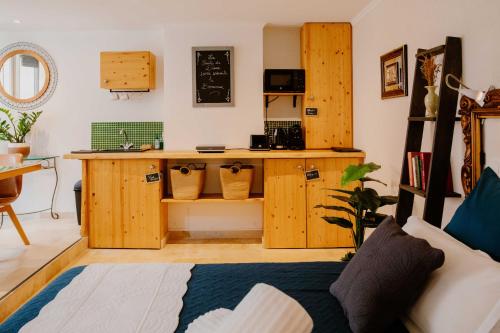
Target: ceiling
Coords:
[[147, 14]]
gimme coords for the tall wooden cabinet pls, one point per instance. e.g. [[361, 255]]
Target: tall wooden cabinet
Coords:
[[124, 210], [290, 219], [326, 56]]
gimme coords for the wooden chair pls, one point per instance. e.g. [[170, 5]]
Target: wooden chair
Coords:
[[10, 189]]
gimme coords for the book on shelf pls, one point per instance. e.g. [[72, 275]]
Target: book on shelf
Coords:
[[419, 169]]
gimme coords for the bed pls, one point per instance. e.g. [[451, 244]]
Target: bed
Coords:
[[224, 285]]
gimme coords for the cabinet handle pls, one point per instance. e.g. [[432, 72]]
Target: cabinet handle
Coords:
[[152, 167], [300, 167], [312, 167], [311, 98]]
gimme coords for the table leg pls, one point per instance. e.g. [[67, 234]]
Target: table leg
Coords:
[[53, 214]]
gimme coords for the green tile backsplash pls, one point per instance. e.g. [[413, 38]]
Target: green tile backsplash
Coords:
[[106, 135]]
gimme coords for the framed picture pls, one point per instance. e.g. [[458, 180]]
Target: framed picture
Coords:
[[394, 73], [213, 76]]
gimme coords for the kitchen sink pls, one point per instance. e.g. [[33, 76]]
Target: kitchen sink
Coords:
[[113, 150]]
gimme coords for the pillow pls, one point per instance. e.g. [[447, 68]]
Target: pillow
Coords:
[[476, 222], [462, 295], [385, 277]]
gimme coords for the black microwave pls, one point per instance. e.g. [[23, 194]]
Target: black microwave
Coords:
[[284, 81]]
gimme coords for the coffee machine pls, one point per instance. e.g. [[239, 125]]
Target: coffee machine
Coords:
[[295, 138], [279, 139]]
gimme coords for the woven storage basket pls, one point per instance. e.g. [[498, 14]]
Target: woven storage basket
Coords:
[[187, 181], [236, 181]]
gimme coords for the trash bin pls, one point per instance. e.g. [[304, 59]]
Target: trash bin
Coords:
[[78, 200]]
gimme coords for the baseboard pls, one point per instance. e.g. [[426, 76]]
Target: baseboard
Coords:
[[203, 234], [38, 280]]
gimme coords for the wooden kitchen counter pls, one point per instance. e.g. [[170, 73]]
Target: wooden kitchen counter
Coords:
[[229, 154]]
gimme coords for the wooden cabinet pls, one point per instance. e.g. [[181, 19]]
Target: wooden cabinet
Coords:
[[284, 203], [124, 211], [326, 56], [320, 233], [290, 219], [128, 71]]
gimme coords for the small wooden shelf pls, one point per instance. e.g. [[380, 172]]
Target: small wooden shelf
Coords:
[[216, 197], [284, 94], [427, 118], [422, 194]]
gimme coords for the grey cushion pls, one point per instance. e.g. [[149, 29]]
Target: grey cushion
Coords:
[[385, 277]]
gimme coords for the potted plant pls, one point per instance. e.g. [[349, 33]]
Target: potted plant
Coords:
[[15, 130], [362, 204], [430, 70]]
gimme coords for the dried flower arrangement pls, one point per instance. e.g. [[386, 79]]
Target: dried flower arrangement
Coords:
[[429, 69]]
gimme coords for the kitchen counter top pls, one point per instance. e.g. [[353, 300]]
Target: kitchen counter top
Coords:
[[229, 154]]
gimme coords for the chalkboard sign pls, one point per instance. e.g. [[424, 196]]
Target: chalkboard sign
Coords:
[[213, 76], [312, 174], [311, 111], [153, 177]]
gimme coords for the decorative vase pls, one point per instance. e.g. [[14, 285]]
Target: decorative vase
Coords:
[[19, 148], [431, 101]]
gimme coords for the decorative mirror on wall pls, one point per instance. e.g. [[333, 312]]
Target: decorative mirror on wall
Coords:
[[28, 76]]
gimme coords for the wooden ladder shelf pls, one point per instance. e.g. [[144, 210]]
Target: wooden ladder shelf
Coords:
[[434, 194]]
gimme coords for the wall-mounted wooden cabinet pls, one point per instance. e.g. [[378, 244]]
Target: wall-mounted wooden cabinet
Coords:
[[290, 219], [326, 56], [124, 210], [128, 71]]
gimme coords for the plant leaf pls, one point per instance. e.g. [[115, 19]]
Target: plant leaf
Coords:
[[369, 179], [367, 198], [341, 191], [341, 222], [388, 200], [372, 220], [356, 172], [337, 208]]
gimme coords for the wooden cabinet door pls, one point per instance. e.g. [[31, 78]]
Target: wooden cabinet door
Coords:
[[284, 203], [124, 210], [326, 55], [105, 204], [319, 232], [141, 206]]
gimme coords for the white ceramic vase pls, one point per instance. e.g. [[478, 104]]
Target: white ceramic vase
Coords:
[[19, 148], [431, 101]]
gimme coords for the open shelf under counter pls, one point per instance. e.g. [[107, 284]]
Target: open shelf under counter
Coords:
[[215, 197]]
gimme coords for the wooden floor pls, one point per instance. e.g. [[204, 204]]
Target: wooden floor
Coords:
[[198, 252]]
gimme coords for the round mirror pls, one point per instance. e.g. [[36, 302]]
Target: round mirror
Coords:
[[27, 76]]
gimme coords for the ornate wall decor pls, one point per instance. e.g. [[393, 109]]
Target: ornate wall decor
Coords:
[[471, 120], [26, 61]]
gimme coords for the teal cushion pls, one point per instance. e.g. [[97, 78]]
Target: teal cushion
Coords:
[[476, 222]]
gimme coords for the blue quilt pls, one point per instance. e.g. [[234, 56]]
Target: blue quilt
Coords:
[[224, 285]]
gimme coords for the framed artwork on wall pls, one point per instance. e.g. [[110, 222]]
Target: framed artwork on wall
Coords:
[[213, 76], [394, 73]]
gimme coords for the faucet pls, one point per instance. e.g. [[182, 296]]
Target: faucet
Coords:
[[127, 145]]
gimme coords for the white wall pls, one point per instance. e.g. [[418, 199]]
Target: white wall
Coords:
[[231, 126], [78, 101], [380, 125]]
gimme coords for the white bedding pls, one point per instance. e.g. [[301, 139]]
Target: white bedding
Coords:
[[265, 309], [117, 298]]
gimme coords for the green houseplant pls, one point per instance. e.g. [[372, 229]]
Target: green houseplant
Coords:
[[14, 130], [362, 203]]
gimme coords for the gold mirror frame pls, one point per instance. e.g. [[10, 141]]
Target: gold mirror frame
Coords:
[[472, 116], [41, 61], [49, 85]]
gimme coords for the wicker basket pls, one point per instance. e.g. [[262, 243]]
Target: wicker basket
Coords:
[[187, 181], [236, 181]]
